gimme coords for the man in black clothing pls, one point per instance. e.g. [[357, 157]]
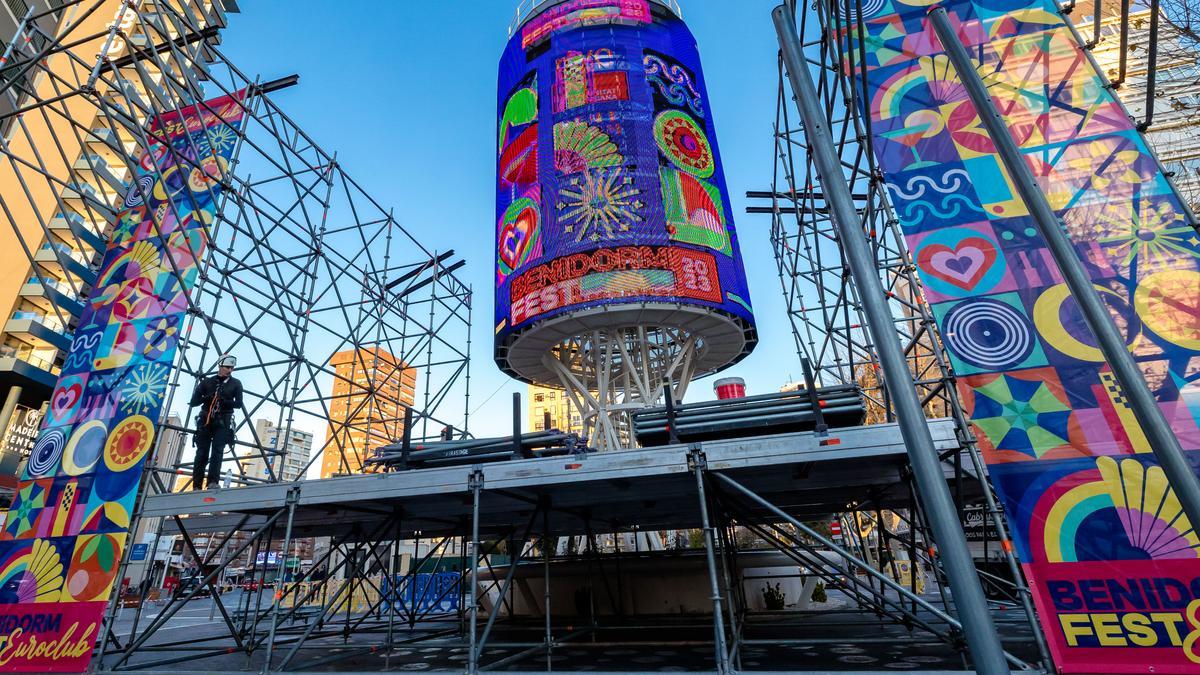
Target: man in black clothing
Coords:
[[217, 395]]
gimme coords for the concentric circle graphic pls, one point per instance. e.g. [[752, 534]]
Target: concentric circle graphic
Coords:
[[988, 334], [683, 141], [84, 448], [143, 186], [869, 8], [46, 452], [129, 442]]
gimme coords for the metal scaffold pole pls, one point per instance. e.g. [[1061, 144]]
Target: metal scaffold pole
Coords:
[[476, 486], [969, 599], [722, 652], [1150, 419]]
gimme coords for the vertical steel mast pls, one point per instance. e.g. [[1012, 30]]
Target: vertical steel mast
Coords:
[[972, 606]]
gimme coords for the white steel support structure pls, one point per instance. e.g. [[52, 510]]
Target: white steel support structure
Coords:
[[611, 372]]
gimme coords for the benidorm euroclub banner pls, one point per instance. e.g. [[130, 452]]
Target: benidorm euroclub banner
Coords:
[[61, 544], [1112, 560]]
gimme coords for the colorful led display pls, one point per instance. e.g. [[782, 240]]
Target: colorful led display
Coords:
[[609, 187], [1113, 563], [62, 541]]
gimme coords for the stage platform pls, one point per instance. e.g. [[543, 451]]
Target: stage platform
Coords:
[[651, 488], [767, 486]]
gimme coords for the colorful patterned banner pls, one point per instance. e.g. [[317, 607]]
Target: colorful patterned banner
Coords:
[[61, 543], [1109, 553]]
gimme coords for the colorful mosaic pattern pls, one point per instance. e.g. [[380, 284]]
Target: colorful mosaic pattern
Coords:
[[606, 159], [1113, 562], [61, 544]]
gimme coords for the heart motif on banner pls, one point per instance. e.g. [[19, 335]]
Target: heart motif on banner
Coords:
[[963, 265], [65, 398], [516, 237]]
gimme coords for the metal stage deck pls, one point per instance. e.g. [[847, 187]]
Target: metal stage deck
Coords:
[[770, 486], [651, 488]]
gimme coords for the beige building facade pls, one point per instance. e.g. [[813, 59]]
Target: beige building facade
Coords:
[[371, 388], [563, 413], [294, 447]]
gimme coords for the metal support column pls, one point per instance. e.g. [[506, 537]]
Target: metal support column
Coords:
[[10, 406], [1149, 416], [696, 459], [476, 485], [515, 548], [547, 543], [969, 599], [293, 498], [393, 595]]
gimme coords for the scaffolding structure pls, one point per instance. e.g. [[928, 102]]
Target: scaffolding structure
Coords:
[[307, 279], [828, 324], [512, 600], [304, 265]]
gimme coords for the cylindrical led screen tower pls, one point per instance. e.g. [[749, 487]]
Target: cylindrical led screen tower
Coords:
[[617, 267]]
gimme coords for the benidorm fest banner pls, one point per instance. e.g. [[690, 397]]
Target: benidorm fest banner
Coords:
[[1110, 556], [61, 544]]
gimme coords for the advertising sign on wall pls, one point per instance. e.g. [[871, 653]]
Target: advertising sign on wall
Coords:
[[64, 535], [22, 431], [1113, 562]]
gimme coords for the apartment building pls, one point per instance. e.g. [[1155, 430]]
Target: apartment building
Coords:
[[371, 388], [543, 401], [292, 449]]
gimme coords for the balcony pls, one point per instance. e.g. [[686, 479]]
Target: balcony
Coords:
[[86, 199], [67, 226], [129, 97], [102, 139], [138, 41], [42, 330], [22, 367], [60, 260], [48, 293], [215, 13], [92, 168]]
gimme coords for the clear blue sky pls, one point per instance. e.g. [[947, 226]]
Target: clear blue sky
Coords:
[[404, 91]]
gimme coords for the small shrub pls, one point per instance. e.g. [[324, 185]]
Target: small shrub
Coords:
[[773, 596], [818, 594]]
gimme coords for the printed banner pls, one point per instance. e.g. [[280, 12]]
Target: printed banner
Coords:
[[1103, 541], [61, 544]]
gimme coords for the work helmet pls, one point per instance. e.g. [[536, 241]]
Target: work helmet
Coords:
[[227, 360]]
